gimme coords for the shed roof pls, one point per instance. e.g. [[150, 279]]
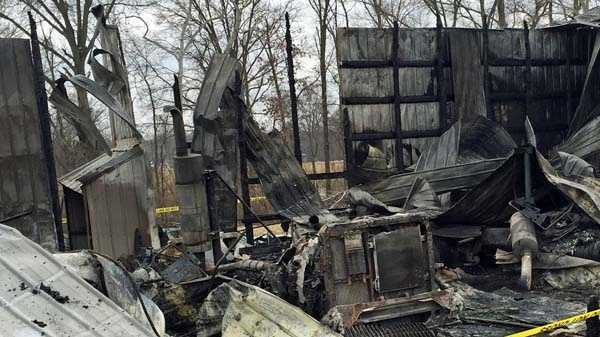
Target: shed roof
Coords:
[[91, 170]]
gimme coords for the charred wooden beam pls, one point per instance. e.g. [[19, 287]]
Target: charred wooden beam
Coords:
[[392, 99], [42, 105], [492, 61], [528, 92], [348, 149], [439, 71], [491, 115], [399, 149], [375, 64], [292, 84], [392, 135]]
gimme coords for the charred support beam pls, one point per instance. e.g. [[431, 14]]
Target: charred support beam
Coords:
[[214, 230], [374, 64], [492, 96], [492, 62], [399, 149], [348, 149], [391, 99], [242, 143], [292, 83], [527, 70], [392, 135], [485, 49], [439, 70], [42, 105]]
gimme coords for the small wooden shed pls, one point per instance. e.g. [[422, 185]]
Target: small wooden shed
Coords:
[[108, 204]]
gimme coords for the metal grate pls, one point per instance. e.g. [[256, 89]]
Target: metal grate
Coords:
[[390, 329]]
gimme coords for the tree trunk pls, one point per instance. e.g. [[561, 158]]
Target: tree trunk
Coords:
[[501, 8], [323, 71]]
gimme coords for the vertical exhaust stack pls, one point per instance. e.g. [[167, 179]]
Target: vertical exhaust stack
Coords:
[[524, 245], [191, 193]]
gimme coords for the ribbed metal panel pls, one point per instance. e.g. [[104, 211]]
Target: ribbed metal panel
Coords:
[[390, 329]]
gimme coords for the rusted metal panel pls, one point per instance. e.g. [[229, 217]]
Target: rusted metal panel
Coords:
[[356, 256], [24, 182]]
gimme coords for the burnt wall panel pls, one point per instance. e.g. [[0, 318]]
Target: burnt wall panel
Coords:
[[559, 61], [24, 187]]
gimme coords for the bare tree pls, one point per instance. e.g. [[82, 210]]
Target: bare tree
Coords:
[[324, 12]]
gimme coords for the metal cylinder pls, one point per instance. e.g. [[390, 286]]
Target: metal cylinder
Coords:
[[524, 244], [179, 131], [191, 192], [522, 235]]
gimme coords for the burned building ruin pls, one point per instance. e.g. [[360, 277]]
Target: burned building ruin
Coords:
[[472, 207]]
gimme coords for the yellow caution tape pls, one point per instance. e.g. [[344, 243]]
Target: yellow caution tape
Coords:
[[167, 209], [172, 209], [557, 324]]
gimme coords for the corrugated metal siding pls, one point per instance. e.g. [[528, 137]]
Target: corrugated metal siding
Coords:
[[23, 175], [76, 309]]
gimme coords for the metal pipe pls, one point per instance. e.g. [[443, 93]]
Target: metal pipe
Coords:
[[524, 245], [181, 148]]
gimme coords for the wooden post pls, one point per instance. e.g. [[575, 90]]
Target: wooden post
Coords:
[[439, 70], [347, 124], [397, 110], [292, 83], [214, 230], [489, 110], [42, 105], [527, 70]]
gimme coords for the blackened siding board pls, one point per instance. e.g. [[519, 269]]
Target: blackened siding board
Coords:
[[549, 115], [23, 176]]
